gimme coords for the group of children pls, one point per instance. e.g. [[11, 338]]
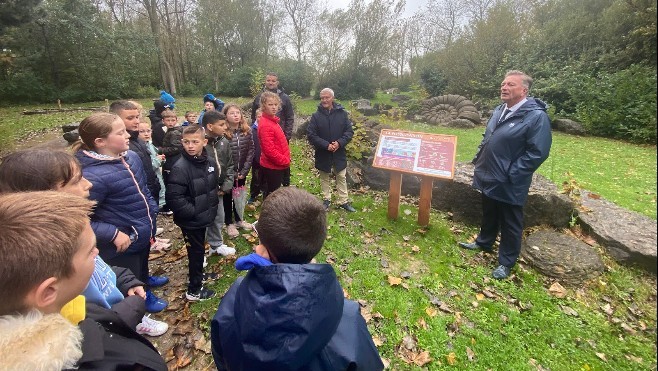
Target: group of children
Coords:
[[271, 319]]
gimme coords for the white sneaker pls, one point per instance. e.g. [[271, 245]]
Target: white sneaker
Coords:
[[244, 225], [222, 250], [151, 327], [205, 261], [232, 231], [158, 231]]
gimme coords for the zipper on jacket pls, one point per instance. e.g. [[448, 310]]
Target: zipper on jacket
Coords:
[[148, 209]]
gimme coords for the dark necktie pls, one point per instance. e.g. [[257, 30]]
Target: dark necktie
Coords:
[[507, 112]]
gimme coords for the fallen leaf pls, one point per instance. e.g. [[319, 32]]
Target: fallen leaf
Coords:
[[557, 290], [386, 362], [378, 342], [593, 196], [451, 358], [422, 323], [431, 311], [479, 296], [346, 294], [406, 238], [445, 308], [607, 309], [394, 281], [405, 275], [568, 311], [183, 358], [415, 248], [475, 304], [470, 354], [602, 356], [422, 358], [628, 328]]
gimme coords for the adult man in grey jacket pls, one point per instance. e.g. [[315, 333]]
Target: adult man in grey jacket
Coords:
[[516, 142]]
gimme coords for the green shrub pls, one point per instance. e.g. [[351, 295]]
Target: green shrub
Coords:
[[350, 83], [620, 105], [237, 83]]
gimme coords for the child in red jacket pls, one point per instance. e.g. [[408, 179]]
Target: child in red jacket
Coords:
[[274, 150]]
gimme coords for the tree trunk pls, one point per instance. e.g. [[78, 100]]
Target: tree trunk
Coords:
[[167, 76]]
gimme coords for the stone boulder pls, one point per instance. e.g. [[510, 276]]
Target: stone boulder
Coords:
[[629, 237], [545, 204], [365, 107], [561, 256], [569, 127], [400, 98], [299, 126]]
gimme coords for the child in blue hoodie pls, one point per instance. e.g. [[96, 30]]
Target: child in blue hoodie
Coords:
[[291, 314]]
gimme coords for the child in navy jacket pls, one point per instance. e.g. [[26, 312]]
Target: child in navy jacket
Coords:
[[291, 314]]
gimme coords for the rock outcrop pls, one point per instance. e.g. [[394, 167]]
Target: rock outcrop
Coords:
[[546, 205], [629, 237], [561, 256]]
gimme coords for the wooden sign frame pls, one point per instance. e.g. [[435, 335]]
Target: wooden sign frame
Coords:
[[426, 155]]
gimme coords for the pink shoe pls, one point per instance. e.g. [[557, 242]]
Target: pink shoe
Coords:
[[232, 231]]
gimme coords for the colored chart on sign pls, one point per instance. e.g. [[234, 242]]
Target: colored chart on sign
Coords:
[[416, 153]]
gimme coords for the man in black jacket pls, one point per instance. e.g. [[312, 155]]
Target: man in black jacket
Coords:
[[191, 193], [329, 132], [516, 142], [286, 114]]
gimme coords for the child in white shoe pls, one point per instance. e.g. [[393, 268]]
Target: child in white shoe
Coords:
[[42, 170]]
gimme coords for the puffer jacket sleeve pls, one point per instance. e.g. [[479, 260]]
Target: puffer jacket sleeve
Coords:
[[249, 144], [229, 166], [172, 143], [312, 134], [125, 279], [177, 195], [105, 232]]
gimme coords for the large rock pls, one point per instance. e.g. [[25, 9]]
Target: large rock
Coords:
[[629, 237], [299, 127], [561, 256], [569, 126], [545, 204]]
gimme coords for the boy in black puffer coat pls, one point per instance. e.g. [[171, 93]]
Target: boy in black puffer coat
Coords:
[[192, 195]]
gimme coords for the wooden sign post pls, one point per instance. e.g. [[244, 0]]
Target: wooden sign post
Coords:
[[426, 155]]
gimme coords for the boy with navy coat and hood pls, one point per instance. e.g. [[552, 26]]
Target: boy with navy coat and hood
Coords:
[[291, 314]]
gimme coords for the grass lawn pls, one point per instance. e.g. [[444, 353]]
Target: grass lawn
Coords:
[[430, 305]]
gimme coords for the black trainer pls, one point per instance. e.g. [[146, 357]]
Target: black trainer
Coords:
[[201, 295], [326, 204]]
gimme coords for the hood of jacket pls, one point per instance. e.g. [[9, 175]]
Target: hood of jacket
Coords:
[[287, 314], [50, 342]]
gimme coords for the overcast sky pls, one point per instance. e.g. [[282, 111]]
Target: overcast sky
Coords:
[[410, 9]]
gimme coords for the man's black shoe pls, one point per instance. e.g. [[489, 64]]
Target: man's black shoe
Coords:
[[501, 272], [473, 246]]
